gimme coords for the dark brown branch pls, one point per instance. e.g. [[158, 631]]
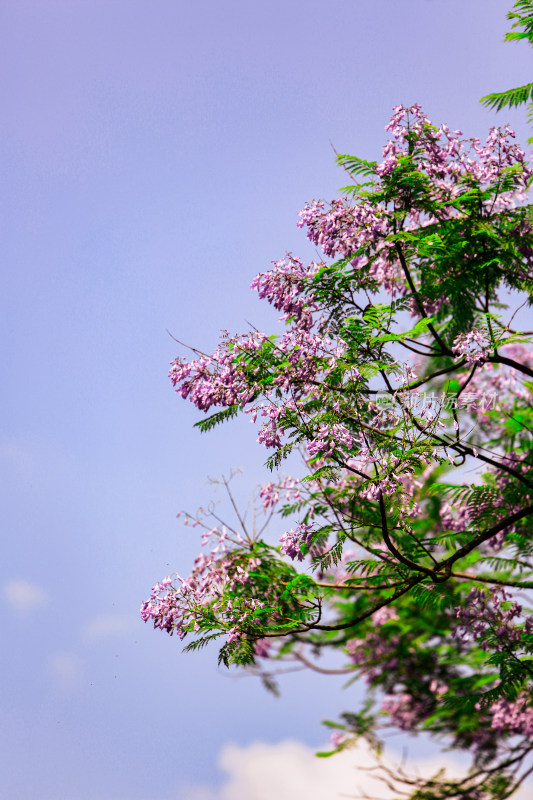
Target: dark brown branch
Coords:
[[498, 581], [391, 546], [436, 374], [385, 602], [445, 350], [483, 537], [440, 573], [511, 363], [358, 587]]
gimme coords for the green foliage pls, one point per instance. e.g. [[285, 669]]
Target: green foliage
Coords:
[[522, 17], [411, 546], [211, 422], [512, 97]]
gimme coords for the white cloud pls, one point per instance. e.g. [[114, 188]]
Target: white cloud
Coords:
[[290, 770], [110, 625], [66, 670], [23, 596]]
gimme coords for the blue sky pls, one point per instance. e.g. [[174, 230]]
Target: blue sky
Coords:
[[155, 156]]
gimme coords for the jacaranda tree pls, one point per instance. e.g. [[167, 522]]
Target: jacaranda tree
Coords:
[[404, 380]]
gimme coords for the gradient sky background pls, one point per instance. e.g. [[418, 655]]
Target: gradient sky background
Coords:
[[155, 156]]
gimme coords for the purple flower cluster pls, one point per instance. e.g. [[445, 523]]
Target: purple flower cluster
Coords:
[[454, 517], [344, 228], [180, 606], [375, 654], [217, 380], [452, 166], [488, 616], [230, 377], [283, 286], [405, 710], [293, 541], [330, 439], [513, 717], [472, 346]]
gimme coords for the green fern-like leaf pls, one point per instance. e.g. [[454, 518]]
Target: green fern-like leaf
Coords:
[[357, 166], [276, 458], [432, 597], [215, 419], [197, 644], [324, 474], [522, 17], [510, 98], [523, 14]]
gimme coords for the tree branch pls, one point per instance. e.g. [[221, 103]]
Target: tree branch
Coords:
[[443, 346]]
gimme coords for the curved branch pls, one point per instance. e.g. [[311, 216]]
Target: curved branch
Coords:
[[392, 547], [445, 350], [510, 362], [385, 602], [483, 537], [322, 670], [499, 581]]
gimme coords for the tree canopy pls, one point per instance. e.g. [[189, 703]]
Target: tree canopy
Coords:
[[404, 381]]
